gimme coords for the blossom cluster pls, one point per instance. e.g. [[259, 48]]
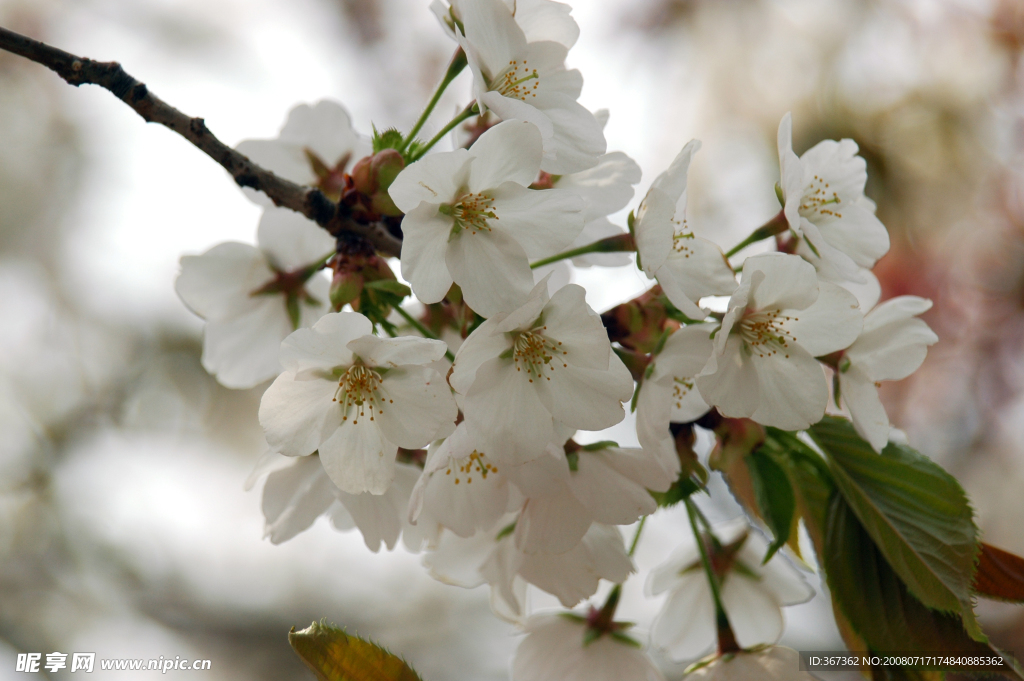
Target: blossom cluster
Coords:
[[462, 436]]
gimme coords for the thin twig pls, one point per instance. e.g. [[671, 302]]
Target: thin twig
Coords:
[[109, 75]]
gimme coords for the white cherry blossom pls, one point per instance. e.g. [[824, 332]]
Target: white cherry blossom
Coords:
[[544, 366], [776, 663], [780, 318], [492, 558], [669, 392], [315, 147], [752, 594], [299, 491], [553, 650], [356, 399], [471, 219], [687, 266], [892, 346], [825, 206], [516, 78], [539, 19], [253, 296]]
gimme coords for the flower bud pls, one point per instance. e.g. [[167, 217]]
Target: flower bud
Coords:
[[362, 176]]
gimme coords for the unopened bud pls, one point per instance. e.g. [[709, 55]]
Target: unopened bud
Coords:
[[362, 176], [345, 288]]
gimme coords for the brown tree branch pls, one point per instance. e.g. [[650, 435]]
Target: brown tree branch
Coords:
[[109, 75]]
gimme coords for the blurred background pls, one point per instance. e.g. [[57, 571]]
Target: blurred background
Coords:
[[124, 528]]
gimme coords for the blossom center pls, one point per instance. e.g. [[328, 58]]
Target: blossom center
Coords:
[[681, 387], [467, 467], [820, 201], [764, 332], [359, 392], [535, 352], [518, 81], [471, 212]]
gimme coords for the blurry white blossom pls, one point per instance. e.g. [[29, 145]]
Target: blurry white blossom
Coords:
[[253, 296]]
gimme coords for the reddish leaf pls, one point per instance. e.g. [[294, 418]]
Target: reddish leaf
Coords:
[[1000, 575]]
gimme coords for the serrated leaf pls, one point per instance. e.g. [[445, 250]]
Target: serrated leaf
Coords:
[[334, 655], [878, 605], [916, 513], [774, 495], [1000, 575], [390, 286]]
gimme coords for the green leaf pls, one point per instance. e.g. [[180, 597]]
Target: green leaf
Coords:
[[775, 500], [390, 286], [916, 513], [680, 490], [390, 138], [334, 655], [877, 603]]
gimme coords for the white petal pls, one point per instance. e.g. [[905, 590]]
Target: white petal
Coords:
[[792, 390], [831, 323], [554, 523], [544, 222], [434, 179], [423, 252], [457, 561], [542, 476], [895, 310], [695, 268], [298, 415], [284, 159], [500, 570], [493, 32], [508, 152], [503, 408], [492, 269], [778, 577], [605, 188], [588, 399], [653, 229], [685, 627], [730, 381], [754, 615], [570, 321], [574, 575], [326, 128], [324, 346], [509, 108], [859, 234], [358, 458], [392, 352], [860, 395], [217, 284], [479, 347], [378, 516], [676, 568], [546, 20], [522, 318], [611, 493], [290, 240], [789, 283], [596, 230], [422, 408], [295, 496], [577, 138], [242, 352]]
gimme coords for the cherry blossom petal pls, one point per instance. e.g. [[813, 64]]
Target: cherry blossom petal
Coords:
[[754, 615], [358, 458], [423, 253], [543, 222], [391, 352], [831, 323], [685, 626], [295, 496], [243, 351], [296, 413], [789, 283], [860, 395], [554, 523], [492, 269], [792, 392], [613, 494], [419, 408], [572, 322], [218, 283], [291, 241], [605, 188], [509, 152], [589, 399], [434, 179], [323, 346]]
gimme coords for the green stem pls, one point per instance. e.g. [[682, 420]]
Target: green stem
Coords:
[[613, 244], [636, 537], [726, 637], [455, 67], [777, 225], [416, 324], [469, 111]]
